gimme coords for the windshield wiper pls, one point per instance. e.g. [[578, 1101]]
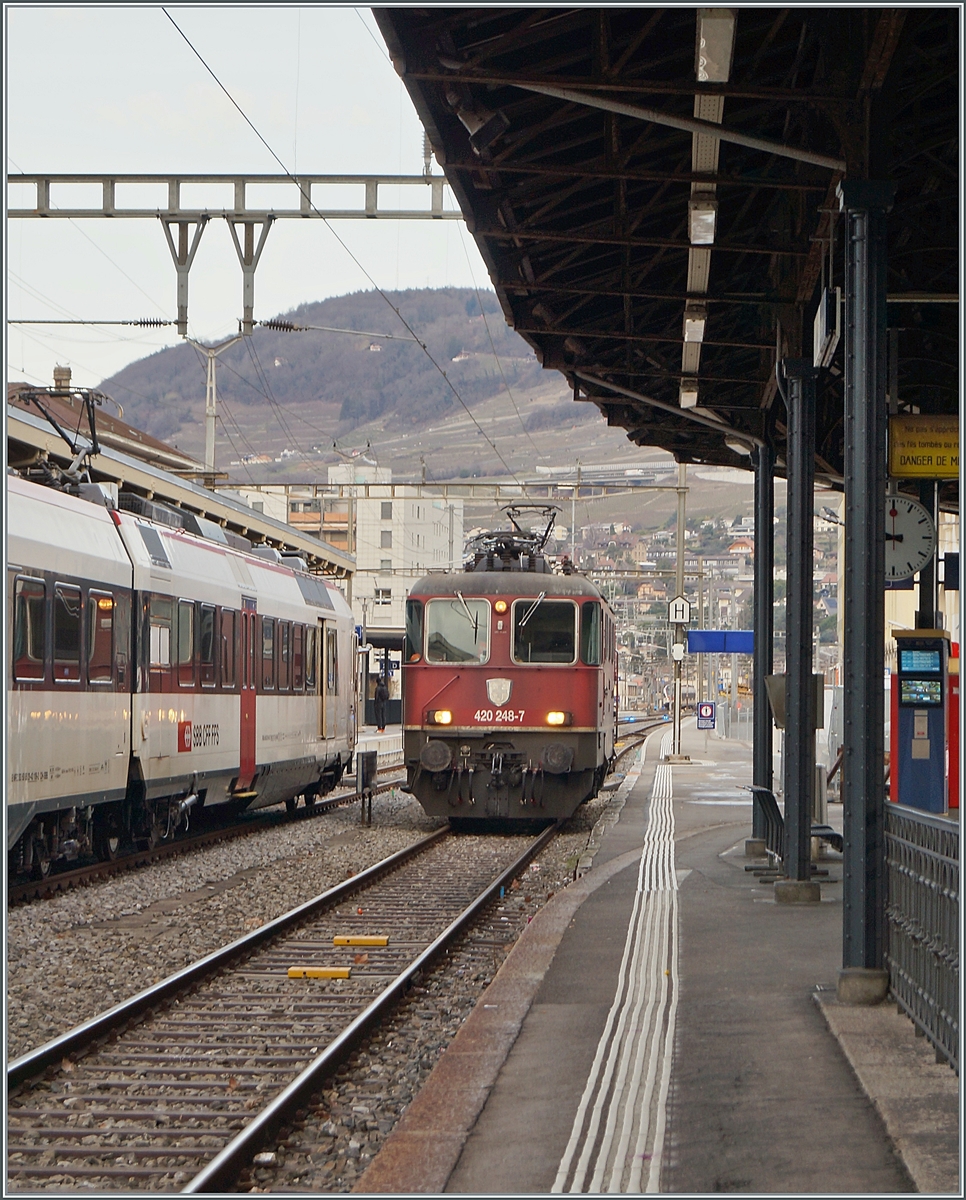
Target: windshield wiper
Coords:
[[531, 610], [474, 621]]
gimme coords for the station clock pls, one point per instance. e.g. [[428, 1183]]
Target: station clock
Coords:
[[910, 537]]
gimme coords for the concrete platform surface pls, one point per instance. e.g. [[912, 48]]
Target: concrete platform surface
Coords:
[[654, 1029]]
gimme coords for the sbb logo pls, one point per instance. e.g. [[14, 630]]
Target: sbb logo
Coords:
[[184, 736]]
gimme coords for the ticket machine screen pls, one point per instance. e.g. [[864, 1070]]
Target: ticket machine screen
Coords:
[[920, 661], [921, 692]]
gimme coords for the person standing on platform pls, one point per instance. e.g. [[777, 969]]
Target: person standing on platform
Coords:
[[379, 703]]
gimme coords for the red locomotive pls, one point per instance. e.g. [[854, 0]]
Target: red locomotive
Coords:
[[509, 683]]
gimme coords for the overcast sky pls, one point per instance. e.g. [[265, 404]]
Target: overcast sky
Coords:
[[116, 89]]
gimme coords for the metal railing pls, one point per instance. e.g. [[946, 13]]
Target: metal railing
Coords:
[[922, 955]]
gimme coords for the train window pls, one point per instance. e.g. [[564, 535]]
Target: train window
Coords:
[[414, 631], [298, 643], [100, 637], [590, 633], [160, 631], [67, 632], [311, 659], [29, 629], [544, 631], [206, 638], [284, 654], [186, 643], [268, 653], [227, 648], [457, 630], [331, 662]]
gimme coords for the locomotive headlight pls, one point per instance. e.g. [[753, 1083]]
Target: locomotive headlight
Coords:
[[441, 716], [560, 718], [500, 606]]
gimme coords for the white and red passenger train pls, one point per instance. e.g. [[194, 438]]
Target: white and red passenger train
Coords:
[[152, 670], [509, 685]]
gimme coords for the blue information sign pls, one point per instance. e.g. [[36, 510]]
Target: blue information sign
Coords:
[[706, 714]]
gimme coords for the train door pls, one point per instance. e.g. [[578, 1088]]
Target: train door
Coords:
[[247, 695], [329, 678]]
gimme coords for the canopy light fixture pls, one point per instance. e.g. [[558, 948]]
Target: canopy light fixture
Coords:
[[738, 445], [695, 319], [716, 44], [484, 127], [689, 393], [702, 219]]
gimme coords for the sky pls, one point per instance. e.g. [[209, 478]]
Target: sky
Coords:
[[115, 88]]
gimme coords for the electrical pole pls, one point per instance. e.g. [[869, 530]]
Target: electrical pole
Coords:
[[211, 400], [678, 648]]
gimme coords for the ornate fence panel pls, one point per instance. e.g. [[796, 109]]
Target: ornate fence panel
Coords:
[[922, 955]]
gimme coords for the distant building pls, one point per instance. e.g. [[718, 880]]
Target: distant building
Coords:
[[395, 540]]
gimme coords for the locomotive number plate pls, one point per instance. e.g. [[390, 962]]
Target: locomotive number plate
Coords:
[[499, 716]]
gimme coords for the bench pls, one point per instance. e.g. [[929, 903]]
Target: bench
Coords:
[[775, 822]]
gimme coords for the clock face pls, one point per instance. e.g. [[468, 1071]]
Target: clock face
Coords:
[[910, 537]]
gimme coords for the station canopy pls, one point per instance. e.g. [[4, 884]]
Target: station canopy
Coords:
[[654, 193]]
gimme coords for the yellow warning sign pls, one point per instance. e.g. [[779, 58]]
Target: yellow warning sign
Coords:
[[924, 447]]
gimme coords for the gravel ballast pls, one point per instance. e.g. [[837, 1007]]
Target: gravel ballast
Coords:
[[75, 955]]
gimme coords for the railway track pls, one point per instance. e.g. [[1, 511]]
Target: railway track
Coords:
[[180, 1086], [25, 891]]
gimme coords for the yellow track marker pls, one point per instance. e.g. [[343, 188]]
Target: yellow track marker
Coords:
[[318, 972], [361, 940]]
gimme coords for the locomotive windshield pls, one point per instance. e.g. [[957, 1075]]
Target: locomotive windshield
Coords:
[[457, 630], [545, 633]]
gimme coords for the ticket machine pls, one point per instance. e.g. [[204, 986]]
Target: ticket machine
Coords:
[[918, 767]]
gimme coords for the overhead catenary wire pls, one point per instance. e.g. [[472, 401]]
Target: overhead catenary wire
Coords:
[[308, 200], [499, 363]]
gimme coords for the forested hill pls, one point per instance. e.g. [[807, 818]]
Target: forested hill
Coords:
[[335, 381]]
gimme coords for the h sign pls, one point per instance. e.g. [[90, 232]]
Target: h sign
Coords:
[[679, 611]]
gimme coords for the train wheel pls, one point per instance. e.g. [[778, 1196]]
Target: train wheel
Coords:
[[156, 834], [42, 862], [309, 799], [106, 836]]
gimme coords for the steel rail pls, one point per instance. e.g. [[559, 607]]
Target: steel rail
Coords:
[[81, 1036], [224, 1168]]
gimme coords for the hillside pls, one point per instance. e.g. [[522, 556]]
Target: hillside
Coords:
[[296, 391]]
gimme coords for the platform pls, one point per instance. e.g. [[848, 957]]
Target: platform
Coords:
[[388, 745], [656, 1029]]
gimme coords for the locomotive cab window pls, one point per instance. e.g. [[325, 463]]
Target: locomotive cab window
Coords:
[[414, 631], [29, 629], [100, 637], [544, 631], [590, 633], [457, 630], [67, 633]]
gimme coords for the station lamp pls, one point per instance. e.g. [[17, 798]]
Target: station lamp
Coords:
[[695, 319], [716, 44], [689, 393], [702, 220]]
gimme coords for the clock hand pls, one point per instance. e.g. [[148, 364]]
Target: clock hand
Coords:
[[893, 537]]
